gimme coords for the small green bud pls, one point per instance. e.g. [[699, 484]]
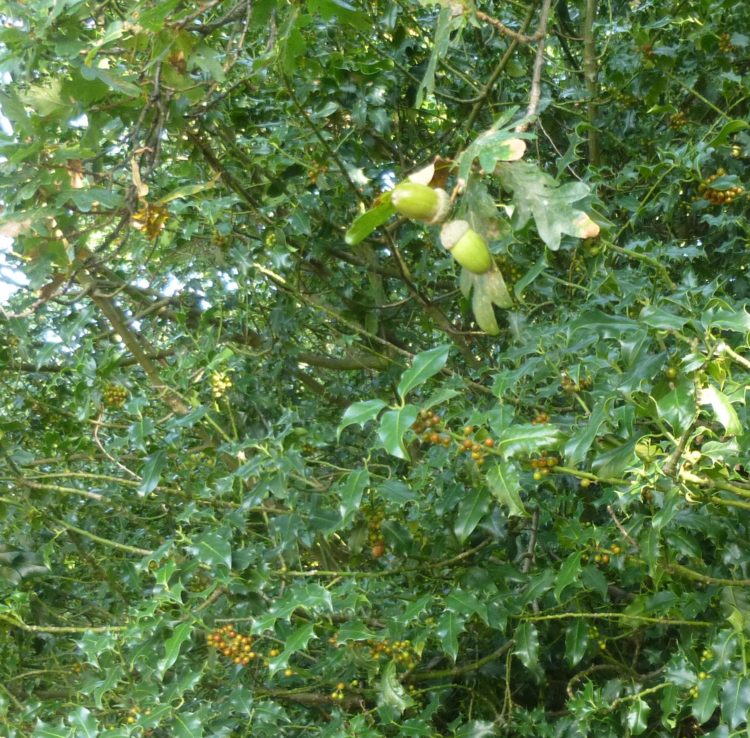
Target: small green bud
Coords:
[[420, 202], [466, 246]]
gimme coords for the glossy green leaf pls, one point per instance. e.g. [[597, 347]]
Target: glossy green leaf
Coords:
[[568, 574], [524, 438], [212, 548], [727, 130], [723, 409], [187, 725], [172, 646], [471, 510], [576, 641], [41, 730], [526, 640], [360, 413], [504, 482], [735, 701], [579, 444], [296, 641], [449, 627], [351, 493], [705, 704], [393, 425], [677, 406], [151, 473], [391, 692], [424, 365], [636, 716]]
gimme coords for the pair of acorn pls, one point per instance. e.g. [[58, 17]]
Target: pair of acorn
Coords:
[[431, 205]]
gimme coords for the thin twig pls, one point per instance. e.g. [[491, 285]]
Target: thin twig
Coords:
[[519, 38], [536, 78], [621, 528]]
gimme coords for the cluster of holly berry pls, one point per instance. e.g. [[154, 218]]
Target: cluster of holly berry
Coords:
[[220, 383], [570, 386], [542, 465], [114, 395], [717, 196], [402, 652], [725, 43], [540, 419], [228, 642], [678, 120], [430, 425]]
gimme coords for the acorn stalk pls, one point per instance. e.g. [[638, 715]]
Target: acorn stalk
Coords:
[[466, 246], [420, 202]]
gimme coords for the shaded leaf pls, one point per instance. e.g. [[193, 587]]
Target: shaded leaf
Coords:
[[526, 639], [569, 573], [470, 511], [576, 641], [172, 646]]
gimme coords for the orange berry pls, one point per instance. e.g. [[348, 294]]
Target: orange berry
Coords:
[[377, 550], [489, 442]]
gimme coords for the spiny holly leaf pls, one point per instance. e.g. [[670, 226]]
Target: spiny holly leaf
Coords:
[[637, 716], [503, 480], [392, 693], [537, 194], [723, 409], [735, 701], [393, 425], [424, 366], [360, 413]]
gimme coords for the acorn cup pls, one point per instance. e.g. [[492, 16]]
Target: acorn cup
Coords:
[[420, 202], [466, 246]]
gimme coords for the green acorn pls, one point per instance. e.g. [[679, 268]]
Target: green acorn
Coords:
[[466, 246], [420, 202]]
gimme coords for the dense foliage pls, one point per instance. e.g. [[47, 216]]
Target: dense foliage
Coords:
[[272, 464]]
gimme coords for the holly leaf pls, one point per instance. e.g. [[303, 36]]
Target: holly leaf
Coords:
[[722, 408], [504, 483], [393, 426], [424, 366], [527, 645], [360, 413], [471, 510]]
